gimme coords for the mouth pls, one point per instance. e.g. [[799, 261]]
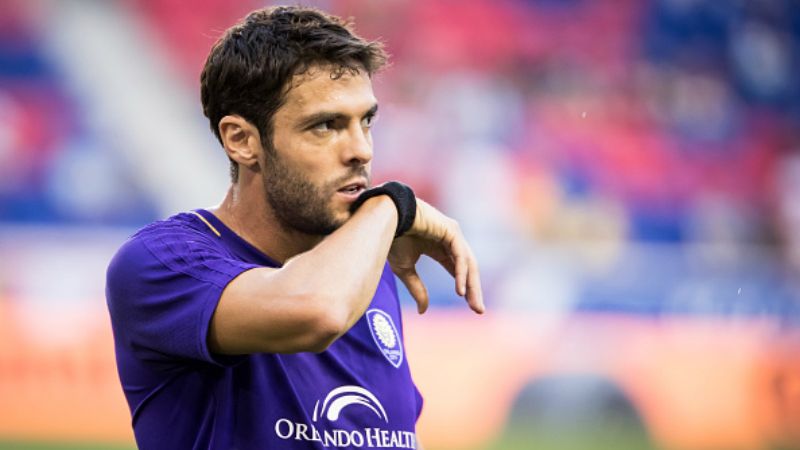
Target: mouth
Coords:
[[353, 189]]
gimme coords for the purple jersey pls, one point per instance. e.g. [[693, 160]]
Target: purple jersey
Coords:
[[162, 288]]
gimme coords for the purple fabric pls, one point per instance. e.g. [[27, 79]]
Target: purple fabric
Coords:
[[162, 288]]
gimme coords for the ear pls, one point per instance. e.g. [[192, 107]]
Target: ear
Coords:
[[241, 140]]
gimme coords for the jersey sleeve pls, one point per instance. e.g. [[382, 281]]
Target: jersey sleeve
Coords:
[[162, 290]]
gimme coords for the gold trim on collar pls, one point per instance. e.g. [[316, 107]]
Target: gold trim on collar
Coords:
[[207, 223]]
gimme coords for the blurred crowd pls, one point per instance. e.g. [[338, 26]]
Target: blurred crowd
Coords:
[[627, 171]]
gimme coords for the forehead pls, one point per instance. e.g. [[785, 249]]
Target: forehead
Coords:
[[318, 89]]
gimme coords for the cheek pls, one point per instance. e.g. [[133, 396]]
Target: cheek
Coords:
[[320, 166], [310, 161], [298, 161], [321, 177]]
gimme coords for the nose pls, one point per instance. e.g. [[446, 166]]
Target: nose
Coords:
[[358, 148]]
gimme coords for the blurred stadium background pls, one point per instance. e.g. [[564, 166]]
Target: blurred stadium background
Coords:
[[628, 171]]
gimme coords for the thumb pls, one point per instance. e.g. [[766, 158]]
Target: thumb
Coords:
[[416, 288]]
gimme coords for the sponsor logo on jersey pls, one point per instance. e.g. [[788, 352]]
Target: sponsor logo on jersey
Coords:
[[385, 335], [323, 430], [344, 396]]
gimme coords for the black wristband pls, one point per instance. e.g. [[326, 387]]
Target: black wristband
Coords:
[[403, 198]]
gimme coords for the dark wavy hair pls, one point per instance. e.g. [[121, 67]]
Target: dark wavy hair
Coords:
[[250, 66]]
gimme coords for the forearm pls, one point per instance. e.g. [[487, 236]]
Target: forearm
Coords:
[[346, 266], [315, 297]]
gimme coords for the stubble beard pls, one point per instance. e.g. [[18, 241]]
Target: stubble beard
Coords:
[[297, 203]]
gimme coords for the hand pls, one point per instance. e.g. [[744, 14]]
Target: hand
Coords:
[[439, 237]]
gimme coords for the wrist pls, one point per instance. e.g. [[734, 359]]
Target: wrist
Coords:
[[419, 218]]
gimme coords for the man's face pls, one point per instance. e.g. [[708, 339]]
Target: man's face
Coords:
[[322, 147]]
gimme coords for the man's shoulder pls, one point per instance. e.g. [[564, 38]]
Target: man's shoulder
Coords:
[[185, 224], [162, 241]]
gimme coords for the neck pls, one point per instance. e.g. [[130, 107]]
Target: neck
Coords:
[[246, 211]]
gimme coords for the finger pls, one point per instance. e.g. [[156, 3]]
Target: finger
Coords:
[[416, 288], [446, 261], [461, 261], [474, 291]]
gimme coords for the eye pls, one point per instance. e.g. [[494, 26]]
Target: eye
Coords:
[[368, 120], [323, 126]]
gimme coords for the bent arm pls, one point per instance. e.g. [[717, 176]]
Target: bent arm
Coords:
[[315, 297]]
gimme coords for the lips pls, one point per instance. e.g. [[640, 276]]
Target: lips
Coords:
[[353, 188]]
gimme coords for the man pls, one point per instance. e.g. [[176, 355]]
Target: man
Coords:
[[272, 321]]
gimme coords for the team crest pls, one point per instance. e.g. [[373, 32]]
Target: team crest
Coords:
[[385, 336]]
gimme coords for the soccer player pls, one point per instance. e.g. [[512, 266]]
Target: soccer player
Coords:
[[272, 321]]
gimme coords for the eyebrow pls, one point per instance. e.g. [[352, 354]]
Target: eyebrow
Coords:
[[324, 116]]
